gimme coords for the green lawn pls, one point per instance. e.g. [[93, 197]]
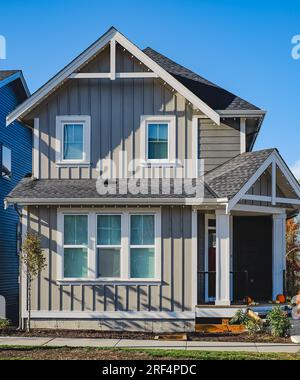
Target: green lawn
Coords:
[[77, 353]]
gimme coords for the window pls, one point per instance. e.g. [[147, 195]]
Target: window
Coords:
[[73, 140], [142, 246], [114, 246], [75, 246], [6, 162], [158, 139], [108, 245]]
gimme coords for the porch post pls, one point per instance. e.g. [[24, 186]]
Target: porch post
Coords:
[[278, 254], [222, 258]]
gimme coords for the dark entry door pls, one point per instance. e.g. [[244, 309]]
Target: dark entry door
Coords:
[[252, 251]]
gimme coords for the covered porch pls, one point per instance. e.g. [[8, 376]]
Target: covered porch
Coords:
[[241, 244], [241, 255]]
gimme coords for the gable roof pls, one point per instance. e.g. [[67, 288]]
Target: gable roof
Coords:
[[7, 73], [111, 35], [216, 97], [8, 76], [228, 178]]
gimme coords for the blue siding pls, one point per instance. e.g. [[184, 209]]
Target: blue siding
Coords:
[[18, 138]]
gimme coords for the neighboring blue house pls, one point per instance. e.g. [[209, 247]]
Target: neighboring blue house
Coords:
[[15, 161]]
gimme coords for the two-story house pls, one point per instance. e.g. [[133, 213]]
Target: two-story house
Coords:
[[147, 195], [15, 160]]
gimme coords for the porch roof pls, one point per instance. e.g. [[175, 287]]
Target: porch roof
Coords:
[[221, 185], [228, 178]]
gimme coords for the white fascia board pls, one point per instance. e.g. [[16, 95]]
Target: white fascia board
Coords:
[[273, 159], [60, 77], [112, 34], [287, 173], [241, 113], [250, 182], [113, 201], [163, 74]]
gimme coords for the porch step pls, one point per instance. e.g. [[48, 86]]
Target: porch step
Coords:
[[220, 312]]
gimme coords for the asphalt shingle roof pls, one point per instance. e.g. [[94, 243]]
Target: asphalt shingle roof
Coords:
[[227, 179], [214, 96], [29, 188], [224, 181]]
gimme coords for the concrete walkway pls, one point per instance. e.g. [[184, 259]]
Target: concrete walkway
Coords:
[[148, 344]]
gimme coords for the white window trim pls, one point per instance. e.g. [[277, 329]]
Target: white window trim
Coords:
[[165, 119], [76, 119], [92, 246], [207, 229]]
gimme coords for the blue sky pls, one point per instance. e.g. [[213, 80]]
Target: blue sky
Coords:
[[244, 46]]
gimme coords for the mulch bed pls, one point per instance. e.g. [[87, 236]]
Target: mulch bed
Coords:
[[224, 337]]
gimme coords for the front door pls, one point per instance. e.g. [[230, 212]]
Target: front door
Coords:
[[252, 252], [210, 258]]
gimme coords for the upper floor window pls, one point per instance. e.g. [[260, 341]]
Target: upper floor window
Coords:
[[73, 139], [6, 162], [158, 142], [158, 139]]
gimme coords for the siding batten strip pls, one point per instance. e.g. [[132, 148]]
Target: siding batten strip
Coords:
[[36, 148]]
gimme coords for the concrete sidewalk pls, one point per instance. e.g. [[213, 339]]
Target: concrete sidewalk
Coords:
[[149, 344]]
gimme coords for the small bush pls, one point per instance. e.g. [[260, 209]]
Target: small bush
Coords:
[[4, 323], [253, 325], [278, 322]]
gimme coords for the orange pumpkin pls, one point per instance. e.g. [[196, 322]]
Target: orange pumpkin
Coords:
[[248, 300], [280, 298]]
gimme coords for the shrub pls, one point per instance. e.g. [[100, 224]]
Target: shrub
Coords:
[[253, 325], [278, 322], [4, 323]]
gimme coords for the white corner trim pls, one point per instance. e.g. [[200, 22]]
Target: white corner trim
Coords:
[[76, 64], [187, 315], [243, 134], [195, 146], [273, 189], [59, 136], [36, 148], [194, 253], [171, 120]]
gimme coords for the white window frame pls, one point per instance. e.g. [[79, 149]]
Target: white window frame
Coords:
[[124, 251], [99, 246], [87, 247], [158, 119], [151, 246], [74, 119]]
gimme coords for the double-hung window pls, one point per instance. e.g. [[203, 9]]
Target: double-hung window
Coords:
[[158, 143], [142, 246], [73, 140], [111, 246], [108, 245], [75, 246]]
